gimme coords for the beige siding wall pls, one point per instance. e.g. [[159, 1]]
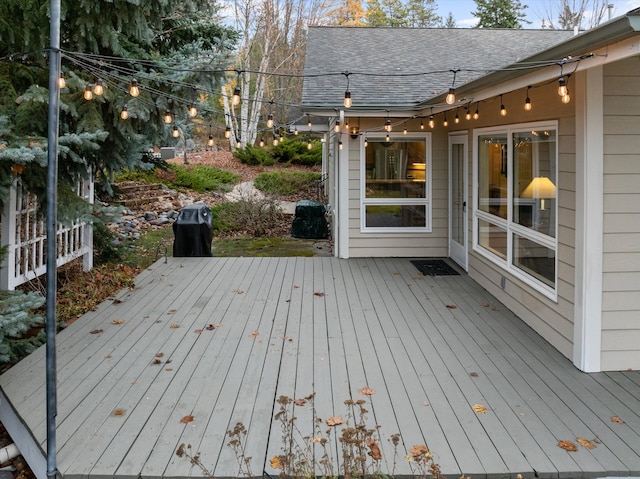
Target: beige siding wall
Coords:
[[433, 244], [621, 262], [553, 320]]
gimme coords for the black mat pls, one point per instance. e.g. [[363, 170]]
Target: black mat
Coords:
[[433, 267]]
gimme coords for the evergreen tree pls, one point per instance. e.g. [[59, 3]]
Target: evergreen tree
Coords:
[[500, 14], [16, 319], [396, 13], [449, 21]]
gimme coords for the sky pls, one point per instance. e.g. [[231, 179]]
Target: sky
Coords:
[[537, 9]]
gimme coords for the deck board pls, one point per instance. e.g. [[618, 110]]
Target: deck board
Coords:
[[296, 326]]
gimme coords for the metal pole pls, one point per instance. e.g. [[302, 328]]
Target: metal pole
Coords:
[[51, 220]]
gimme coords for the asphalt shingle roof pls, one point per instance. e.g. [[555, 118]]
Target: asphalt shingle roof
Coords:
[[400, 67]]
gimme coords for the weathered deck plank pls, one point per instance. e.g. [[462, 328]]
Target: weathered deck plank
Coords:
[[296, 326]]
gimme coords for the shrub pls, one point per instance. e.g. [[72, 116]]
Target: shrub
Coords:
[[251, 214], [250, 155], [296, 152], [286, 182], [200, 178]]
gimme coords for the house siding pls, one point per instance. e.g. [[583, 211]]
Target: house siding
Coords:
[[621, 256], [398, 244], [551, 319]]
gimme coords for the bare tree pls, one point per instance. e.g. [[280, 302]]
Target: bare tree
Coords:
[[569, 14], [270, 63]]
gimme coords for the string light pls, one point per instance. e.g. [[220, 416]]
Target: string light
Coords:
[[309, 122], [270, 121], [193, 111], [235, 99], [445, 122], [387, 138], [432, 121], [476, 114], [404, 132], [451, 96], [421, 125], [467, 116], [340, 145], [98, 88], [88, 94], [527, 102], [387, 125], [457, 118], [295, 131], [261, 142], [366, 142], [210, 142], [124, 113], [238, 143], [347, 94], [61, 81], [309, 144], [503, 110], [566, 98], [275, 140], [168, 117], [175, 132], [336, 127], [227, 132], [562, 86], [134, 89]]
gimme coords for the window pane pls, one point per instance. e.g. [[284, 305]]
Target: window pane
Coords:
[[492, 174], [493, 238], [396, 216], [534, 180], [535, 259], [395, 169]]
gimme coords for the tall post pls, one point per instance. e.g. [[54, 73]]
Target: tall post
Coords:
[[51, 220]]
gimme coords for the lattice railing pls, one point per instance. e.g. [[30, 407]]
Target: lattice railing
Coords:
[[25, 236]]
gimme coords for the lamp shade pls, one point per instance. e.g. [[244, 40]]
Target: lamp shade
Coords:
[[540, 188]]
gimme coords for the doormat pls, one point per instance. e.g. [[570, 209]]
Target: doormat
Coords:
[[434, 267]]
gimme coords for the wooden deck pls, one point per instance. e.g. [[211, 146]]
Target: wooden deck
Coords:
[[220, 339]]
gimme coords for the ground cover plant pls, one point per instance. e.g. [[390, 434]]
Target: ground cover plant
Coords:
[[198, 178]]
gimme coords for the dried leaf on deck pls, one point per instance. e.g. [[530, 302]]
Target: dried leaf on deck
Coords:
[[567, 445], [585, 443], [418, 450], [486, 305], [117, 321], [367, 391], [452, 306], [334, 421], [275, 462], [473, 375], [97, 331], [617, 419], [198, 331], [174, 326], [172, 311], [159, 355], [118, 412], [299, 402], [186, 419], [374, 449], [211, 327], [318, 293], [156, 361], [237, 291], [479, 408], [117, 301]]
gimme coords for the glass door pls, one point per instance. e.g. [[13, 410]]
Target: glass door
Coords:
[[458, 198]]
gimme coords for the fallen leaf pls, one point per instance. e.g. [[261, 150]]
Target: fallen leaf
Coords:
[[374, 449], [172, 311], [168, 361], [118, 412], [617, 419], [418, 450], [396, 273], [159, 355], [473, 375], [494, 309], [585, 443], [174, 326], [452, 306], [117, 321], [117, 301], [186, 419], [237, 291], [486, 305], [299, 402], [211, 327], [108, 356], [568, 446], [479, 408], [97, 331], [275, 462], [156, 361], [367, 391], [169, 369], [334, 421], [254, 334], [295, 286], [198, 331], [317, 293]]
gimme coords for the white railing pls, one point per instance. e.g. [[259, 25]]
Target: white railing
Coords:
[[24, 234]]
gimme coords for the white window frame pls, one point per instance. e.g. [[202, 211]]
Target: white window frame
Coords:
[[426, 201], [507, 224]]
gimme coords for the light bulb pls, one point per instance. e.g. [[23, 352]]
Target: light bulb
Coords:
[[336, 127], [387, 138], [503, 110], [468, 115], [347, 99], [175, 132], [366, 143], [168, 117], [445, 122], [238, 143], [227, 132], [451, 96], [432, 121], [421, 125], [124, 113], [261, 142], [61, 81], [456, 119], [527, 104], [387, 125], [562, 86], [98, 88], [134, 90], [193, 111], [210, 142], [275, 141], [340, 145], [295, 131], [270, 121], [476, 114], [309, 122], [566, 98], [309, 145], [404, 132], [88, 94], [235, 99]]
